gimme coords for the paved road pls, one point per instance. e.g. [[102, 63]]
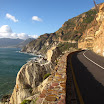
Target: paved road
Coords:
[[89, 73]]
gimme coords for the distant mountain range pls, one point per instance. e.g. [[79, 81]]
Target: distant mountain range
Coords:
[[25, 42], [14, 43]]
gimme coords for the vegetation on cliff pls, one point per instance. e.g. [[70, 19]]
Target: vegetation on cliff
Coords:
[[66, 46], [70, 31], [74, 28], [93, 39]]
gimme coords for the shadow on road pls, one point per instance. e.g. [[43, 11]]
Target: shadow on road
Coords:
[[91, 90]]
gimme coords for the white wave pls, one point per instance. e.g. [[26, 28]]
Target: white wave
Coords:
[[33, 58], [31, 54], [36, 58], [17, 51]]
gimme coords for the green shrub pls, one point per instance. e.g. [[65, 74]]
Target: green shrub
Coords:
[[65, 46], [46, 76], [88, 19], [26, 102], [91, 12], [90, 16]]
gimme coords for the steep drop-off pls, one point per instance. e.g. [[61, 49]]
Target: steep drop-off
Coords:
[[31, 75], [28, 78]]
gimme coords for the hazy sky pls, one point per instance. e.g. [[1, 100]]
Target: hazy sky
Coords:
[[31, 18]]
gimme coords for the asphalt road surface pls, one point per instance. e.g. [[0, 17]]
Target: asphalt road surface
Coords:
[[89, 72]]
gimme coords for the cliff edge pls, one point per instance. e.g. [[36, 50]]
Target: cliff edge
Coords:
[[31, 75], [28, 78]]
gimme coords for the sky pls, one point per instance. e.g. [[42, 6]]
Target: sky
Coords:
[[31, 18]]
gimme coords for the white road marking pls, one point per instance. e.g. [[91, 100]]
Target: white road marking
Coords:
[[92, 61]]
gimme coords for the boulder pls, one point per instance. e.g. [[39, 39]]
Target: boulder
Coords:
[[53, 54]]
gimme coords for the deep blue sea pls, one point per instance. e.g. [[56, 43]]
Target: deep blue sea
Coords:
[[11, 60]]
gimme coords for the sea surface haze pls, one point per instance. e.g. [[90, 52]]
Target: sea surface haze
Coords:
[[11, 60]]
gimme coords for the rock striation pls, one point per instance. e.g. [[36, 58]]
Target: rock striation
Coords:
[[53, 54], [30, 84], [53, 89], [94, 38], [28, 78]]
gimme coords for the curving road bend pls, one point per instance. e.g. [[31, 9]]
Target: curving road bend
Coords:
[[88, 68]]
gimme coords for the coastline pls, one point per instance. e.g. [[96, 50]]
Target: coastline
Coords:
[[13, 67], [32, 75]]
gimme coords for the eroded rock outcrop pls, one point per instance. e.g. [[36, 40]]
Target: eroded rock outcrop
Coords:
[[29, 81], [53, 53], [28, 78], [98, 46], [53, 89]]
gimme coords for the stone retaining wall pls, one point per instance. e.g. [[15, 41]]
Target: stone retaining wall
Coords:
[[55, 90]]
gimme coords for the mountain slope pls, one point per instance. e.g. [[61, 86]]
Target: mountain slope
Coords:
[[70, 32]]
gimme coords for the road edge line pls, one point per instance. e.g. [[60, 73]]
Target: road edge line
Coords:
[[92, 61], [76, 85]]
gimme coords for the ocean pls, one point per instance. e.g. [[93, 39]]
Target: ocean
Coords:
[[11, 60]]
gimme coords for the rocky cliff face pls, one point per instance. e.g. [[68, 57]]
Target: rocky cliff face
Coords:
[[28, 78], [98, 45], [51, 90], [40, 45], [53, 54], [94, 37]]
